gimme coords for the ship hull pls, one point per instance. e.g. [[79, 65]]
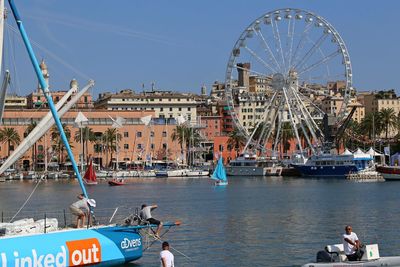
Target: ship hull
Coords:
[[389, 173], [73, 247], [325, 171]]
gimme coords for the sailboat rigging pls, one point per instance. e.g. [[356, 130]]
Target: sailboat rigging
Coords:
[[102, 244]]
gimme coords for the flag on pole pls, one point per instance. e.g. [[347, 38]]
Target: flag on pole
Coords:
[[180, 120], [118, 122], [146, 120], [81, 119], [386, 150]]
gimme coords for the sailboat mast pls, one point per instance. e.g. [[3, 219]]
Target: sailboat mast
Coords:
[[46, 92]]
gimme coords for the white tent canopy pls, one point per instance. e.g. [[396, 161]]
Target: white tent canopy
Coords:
[[360, 154], [347, 152], [373, 152]]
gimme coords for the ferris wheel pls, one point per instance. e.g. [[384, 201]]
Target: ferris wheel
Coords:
[[288, 69]]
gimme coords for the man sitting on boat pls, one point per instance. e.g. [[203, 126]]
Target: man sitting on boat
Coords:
[[145, 214], [351, 245], [80, 209]]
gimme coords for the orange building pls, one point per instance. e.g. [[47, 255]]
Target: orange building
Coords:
[[137, 141]]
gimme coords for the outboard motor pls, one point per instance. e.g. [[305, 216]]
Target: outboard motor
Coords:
[[323, 256]]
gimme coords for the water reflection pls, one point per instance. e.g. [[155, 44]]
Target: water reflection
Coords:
[[251, 222]]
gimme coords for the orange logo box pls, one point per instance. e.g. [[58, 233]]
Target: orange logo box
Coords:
[[84, 252]]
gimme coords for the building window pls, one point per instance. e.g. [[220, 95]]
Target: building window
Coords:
[[139, 146], [221, 148], [126, 134], [180, 109], [126, 146], [170, 109], [188, 109], [152, 146], [164, 134], [40, 147], [139, 134], [151, 134], [164, 146], [161, 109]]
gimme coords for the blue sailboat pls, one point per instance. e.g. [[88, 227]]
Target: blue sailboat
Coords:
[[220, 174], [97, 245]]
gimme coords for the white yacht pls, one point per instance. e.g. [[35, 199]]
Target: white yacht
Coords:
[[251, 165]]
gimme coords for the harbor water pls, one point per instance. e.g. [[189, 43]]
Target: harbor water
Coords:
[[251, 222]]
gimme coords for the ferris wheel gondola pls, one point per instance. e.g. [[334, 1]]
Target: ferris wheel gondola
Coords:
[[288, 69]]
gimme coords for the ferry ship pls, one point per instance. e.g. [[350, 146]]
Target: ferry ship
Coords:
[[335, 166], [250, 165]]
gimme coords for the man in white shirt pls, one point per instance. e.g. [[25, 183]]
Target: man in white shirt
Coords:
[[166, 257], [351, 244], [80, 209], [145, 214]]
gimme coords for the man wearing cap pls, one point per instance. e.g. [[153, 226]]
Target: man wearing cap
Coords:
[[145, 214], [80, 209], [166, 257]]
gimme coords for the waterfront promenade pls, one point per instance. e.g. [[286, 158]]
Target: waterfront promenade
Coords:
[[253, 222]]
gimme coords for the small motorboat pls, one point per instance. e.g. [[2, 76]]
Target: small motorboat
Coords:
[[116, 182], [333, 256]]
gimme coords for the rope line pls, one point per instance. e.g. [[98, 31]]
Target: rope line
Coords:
[[161, 241], [29, 197]]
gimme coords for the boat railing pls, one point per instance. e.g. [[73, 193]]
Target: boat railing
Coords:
[[65, 219]]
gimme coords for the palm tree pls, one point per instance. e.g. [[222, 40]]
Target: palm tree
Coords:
[[371, 125], [58, 145], [11, 136], [109, 140], [187, 137], [28, 130], [388, 119], [87, 136], [237, 140]]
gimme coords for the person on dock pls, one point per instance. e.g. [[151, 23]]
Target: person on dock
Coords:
[[351, 245], [145, 214], [166, 257], [80, 209]]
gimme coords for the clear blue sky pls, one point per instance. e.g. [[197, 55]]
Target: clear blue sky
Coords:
[[183, 44]]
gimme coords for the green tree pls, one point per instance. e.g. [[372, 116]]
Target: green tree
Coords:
[[187, 137], [88, 136], [388, 119], [236, 140], [11, 136], [57, 143], [109, 139], [371, 126]]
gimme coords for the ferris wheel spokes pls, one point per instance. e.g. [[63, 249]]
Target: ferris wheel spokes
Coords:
[[318, 63], [311, 51], [260, 59], [265, 44], [312, 125], [259, 123]]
